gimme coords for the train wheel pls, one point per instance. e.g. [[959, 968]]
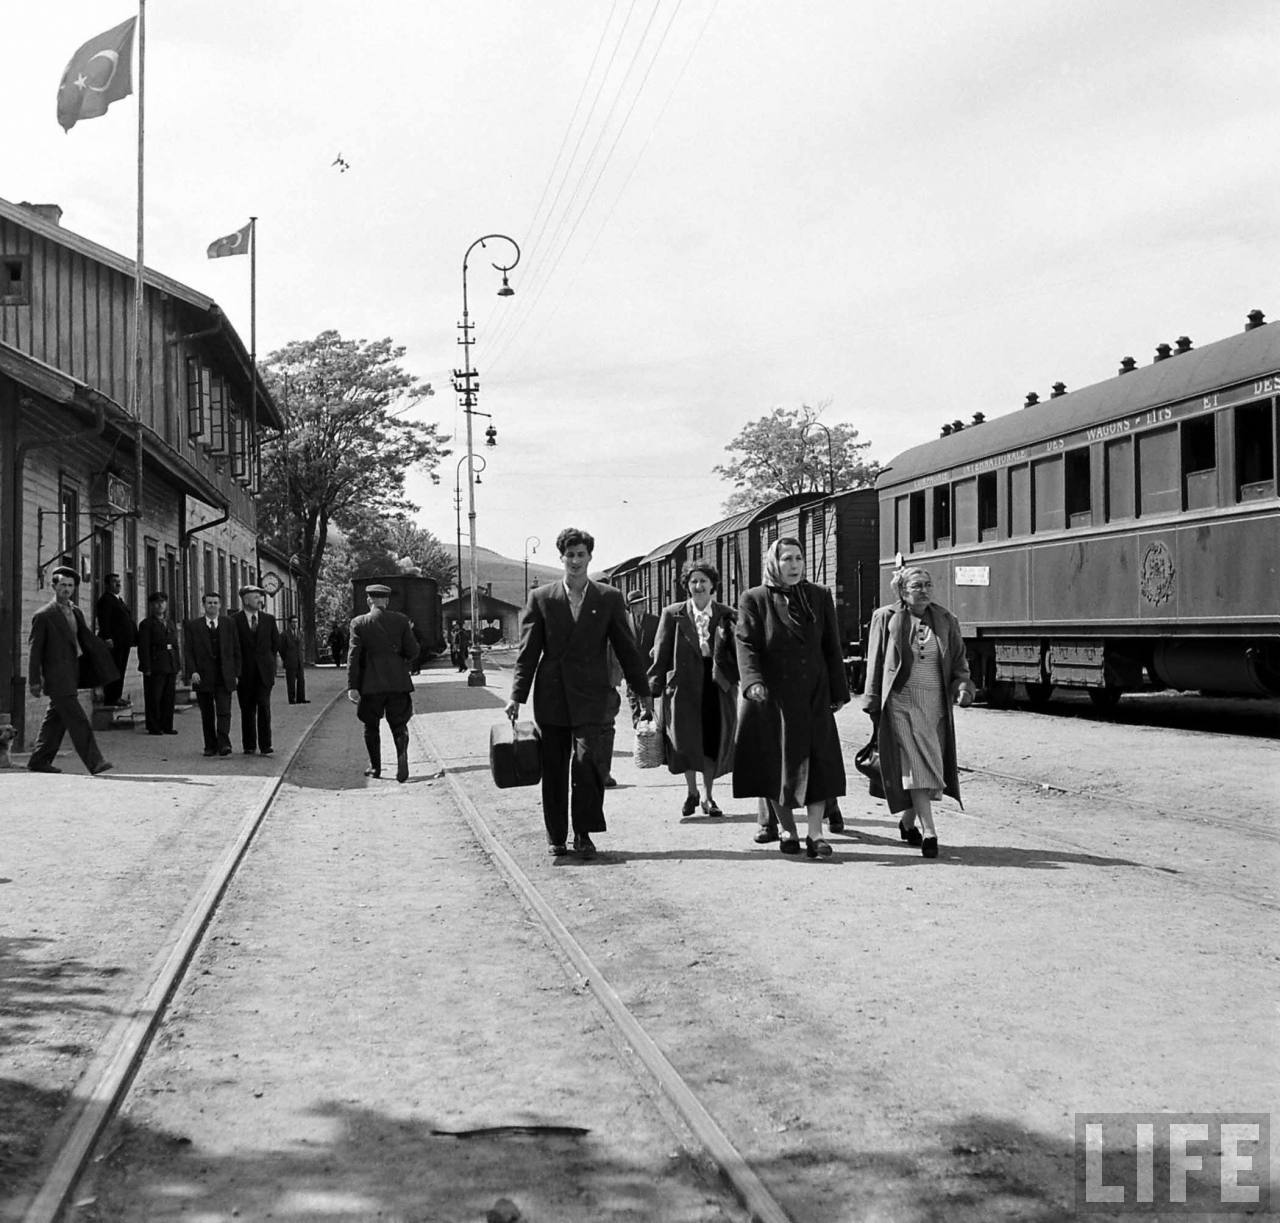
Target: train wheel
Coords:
[[1038, 695], [1105, 699]]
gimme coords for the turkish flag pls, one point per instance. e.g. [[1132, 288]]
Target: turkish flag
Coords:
[[100, 73], [233, 244]]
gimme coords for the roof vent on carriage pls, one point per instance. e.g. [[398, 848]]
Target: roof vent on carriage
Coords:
[[1033, 398], [979, 418], [1163, 353], [946, 431], [1256, 319], [1059, 389], [1127, 365], [1184, 345], [46, 212]]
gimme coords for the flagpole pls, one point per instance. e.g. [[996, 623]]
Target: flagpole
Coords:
[[253, 347], [139, 265]]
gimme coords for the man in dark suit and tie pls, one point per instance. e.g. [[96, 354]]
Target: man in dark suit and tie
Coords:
[[65, 656], [295, 675], [211, 661], [115, 627], [259, 645], [383, 648], [158, 662], [644, 627], [566, 630]]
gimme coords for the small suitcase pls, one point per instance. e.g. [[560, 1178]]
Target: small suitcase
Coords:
[[515, 754]]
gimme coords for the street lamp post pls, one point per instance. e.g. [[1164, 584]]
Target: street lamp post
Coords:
[[536, 541], [465, 383], [831, 466], [457, 514]]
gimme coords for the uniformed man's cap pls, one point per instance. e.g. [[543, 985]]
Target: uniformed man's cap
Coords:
[[636, 596], [65, 571], [251, 590], [157, 596], [377, 590]]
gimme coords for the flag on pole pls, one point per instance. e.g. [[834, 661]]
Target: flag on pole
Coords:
[[100, 73], [233, 244]]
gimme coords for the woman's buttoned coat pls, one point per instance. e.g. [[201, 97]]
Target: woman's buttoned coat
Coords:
[[787, 748], [889, 659], [676, 678]]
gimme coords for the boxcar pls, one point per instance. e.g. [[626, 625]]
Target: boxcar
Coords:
[[417, 597], [1120, 536]]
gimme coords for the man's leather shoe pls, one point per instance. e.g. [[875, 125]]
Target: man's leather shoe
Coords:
[[43, 768], [266, 751], [835, 821], [372, 772], [224, 751], [101, 767], [170, 732], [208, 751], [402, 767], [584, 846], [765, 835], [557, 851]]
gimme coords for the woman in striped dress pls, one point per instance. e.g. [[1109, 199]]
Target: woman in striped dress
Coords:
[[916, 668]]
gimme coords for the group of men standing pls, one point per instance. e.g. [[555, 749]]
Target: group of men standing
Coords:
[[220, 654]]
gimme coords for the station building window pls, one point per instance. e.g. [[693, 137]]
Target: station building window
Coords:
[[966, 511], [1046, 494], [1158, 491], [1078, 491], [210, 578], [988, 506], [68, 522], [1020, 500], [15, 281], [1200, 462], [942, 516], [1117, 458], [1255, 472]]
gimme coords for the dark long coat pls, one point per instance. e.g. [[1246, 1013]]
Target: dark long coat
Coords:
[[258, 648], [157, 646], [788, 749], [383, 651], [53, 662], [889, 658], [676, 677]]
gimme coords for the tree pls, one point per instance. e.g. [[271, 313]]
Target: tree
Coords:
[[790, 451], [346, 448], [395, 543]]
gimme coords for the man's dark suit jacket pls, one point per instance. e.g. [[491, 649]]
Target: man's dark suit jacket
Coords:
[[158, 646], [645, 628], [383, 648], [566, 662], [53, 663], [258, 649], [197, 657], [115, 621]]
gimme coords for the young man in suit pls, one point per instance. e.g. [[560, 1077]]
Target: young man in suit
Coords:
[[158, 662], [566, 630], [115, 627], [295, 677], [65, 656], [259, 645], [383, 649], [211, 662]]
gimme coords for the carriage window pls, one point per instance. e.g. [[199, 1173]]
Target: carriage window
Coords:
[[1255, 451], [917, 522], [1046, 494], [1200, 462], [988, 510], [1020, 500], [1158, 491], [942, 515], [1118, 460], [1078, 492], [966, 511]]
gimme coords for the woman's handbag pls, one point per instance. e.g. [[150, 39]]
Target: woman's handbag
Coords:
[[867, 762], [515, 754], [648, 751]]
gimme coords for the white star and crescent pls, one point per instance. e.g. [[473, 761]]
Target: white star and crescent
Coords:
[[114, 58]]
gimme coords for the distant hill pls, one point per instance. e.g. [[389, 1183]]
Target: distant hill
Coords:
[[507, 575]]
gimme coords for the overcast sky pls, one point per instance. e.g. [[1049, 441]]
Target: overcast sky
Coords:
[[907, 212]]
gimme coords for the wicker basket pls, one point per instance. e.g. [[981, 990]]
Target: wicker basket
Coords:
[[648, 752]]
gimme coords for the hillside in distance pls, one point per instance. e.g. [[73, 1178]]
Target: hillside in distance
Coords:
[[507, 575]]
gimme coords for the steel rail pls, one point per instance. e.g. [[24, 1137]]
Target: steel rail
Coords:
[[746, 1185], [106, 1080]]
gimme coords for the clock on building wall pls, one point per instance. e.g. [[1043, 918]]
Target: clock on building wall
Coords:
[[271, 583]]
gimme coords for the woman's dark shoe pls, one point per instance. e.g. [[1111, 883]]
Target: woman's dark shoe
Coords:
[[690, 805], [910, 835], [765, 835], [789, 845], [816, 848], [710, 808], [929, 847]]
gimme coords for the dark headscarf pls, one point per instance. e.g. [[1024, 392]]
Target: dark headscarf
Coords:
[[799, 609]]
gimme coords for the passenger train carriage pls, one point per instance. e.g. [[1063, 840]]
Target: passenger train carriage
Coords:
[[1122, 535]]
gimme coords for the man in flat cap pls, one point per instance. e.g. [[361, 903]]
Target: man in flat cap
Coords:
[[644, 628], [66, 656], [259, 644], [382, 649], [211, 663]]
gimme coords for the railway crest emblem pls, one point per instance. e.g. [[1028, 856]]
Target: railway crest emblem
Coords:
[[1156, 579]]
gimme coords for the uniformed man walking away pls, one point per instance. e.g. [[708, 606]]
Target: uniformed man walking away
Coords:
[[381, 651], [65, 656]]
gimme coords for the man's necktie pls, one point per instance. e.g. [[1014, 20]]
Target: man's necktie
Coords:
[[253, 624]]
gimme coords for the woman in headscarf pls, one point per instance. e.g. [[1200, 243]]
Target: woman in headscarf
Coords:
[[793, 682], [916, 667], [695, 676]]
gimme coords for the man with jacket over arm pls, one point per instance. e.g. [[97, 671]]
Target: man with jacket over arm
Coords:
[[566, 630], [115, 627], [382, 649], [158, 662], [295, 676], [211, 662], [259, 645]]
